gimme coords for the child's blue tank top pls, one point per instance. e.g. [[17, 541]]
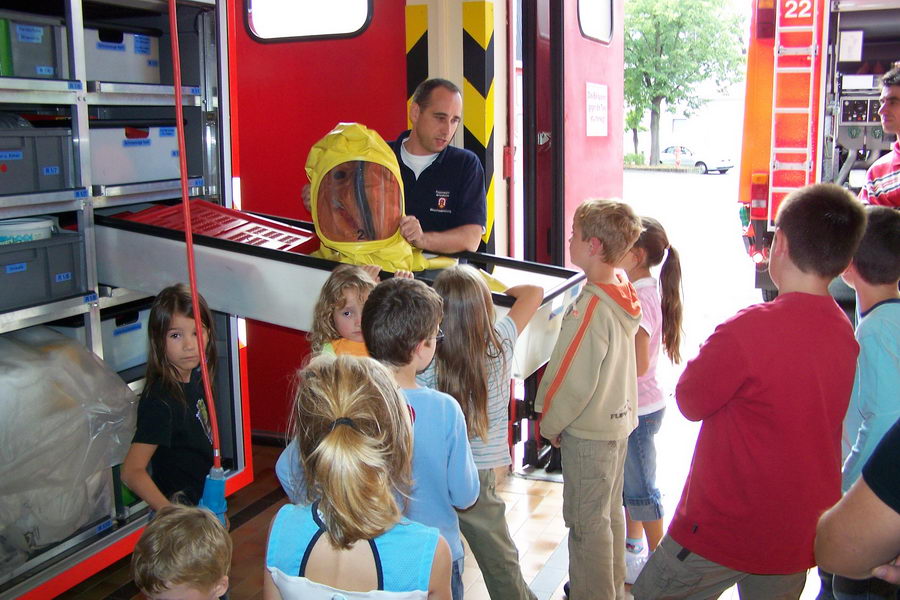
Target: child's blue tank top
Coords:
[[403, 555]]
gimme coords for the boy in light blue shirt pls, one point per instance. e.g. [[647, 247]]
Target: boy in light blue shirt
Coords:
[[400, 324], [874, 403]]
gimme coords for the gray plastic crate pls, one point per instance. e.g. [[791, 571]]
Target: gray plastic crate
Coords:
[[43, 271], [32, 46], [36, 160]]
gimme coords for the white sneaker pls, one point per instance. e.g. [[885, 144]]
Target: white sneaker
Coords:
[[634, 564]]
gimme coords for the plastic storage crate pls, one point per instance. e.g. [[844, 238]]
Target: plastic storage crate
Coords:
[[32, 46], [116, 55], [124, 152], [36, 160], [42, 271], [124, 337]]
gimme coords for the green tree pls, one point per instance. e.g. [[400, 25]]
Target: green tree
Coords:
[[633, 123], [671, 46]]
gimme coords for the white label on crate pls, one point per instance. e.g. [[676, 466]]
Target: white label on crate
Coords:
[[17, 267], [10, 156], [143, 142], [166, 132], [30, 34], [141, 44], [44, 70], [50, 170], [110, 46]]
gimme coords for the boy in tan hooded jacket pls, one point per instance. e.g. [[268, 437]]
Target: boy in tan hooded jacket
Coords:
[[588, 395]]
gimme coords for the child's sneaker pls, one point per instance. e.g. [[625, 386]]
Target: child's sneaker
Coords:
[[634, 564]]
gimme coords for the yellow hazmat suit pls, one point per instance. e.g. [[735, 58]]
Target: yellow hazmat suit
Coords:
[[357, 201]]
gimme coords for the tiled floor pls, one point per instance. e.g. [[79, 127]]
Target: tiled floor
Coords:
[[534, 514]]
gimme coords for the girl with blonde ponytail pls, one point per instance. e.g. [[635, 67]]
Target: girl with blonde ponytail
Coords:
[[354, 436]]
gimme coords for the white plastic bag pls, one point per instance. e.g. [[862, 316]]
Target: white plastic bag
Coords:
[[65, 420]]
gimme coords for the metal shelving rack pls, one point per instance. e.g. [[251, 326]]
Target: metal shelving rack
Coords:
[[80, 95]]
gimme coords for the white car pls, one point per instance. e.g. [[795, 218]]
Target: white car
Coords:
[[686, 158]]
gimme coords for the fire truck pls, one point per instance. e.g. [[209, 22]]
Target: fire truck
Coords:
[[811, 111], [88, 101]]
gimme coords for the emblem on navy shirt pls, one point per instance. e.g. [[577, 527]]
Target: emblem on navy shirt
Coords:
[[441, 197]]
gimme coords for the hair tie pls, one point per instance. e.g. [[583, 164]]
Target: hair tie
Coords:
[[343, 421]]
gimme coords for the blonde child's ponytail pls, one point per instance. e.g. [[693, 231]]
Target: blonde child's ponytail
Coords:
[[353, 431]]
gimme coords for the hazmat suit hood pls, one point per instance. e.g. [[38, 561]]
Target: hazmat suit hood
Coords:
[[356, 191]]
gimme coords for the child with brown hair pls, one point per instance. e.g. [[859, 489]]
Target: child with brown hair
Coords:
[[173, 433], [184, 552], [474, 365], [588, 395], [771, 386], [401, 326]]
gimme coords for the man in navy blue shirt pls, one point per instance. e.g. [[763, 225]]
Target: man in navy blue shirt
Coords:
[[443, 185]]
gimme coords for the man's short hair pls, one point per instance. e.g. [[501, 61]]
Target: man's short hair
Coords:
[[823, 223], [878, 258], [422, 95], [181, 545], [612, 222], [397, 316], [892, 77]]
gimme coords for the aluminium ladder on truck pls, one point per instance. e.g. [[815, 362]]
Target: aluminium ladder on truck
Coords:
[[796, 93]]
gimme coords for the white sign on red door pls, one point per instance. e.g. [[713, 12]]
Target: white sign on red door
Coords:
[[597, 109]]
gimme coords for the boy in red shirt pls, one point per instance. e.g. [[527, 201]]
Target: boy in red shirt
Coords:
[[771, 386]]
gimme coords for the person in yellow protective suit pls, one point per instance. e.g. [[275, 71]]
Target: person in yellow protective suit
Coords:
[[356, 191]]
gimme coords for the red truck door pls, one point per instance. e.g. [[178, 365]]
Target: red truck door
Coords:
[[573, 59], [285, 95]]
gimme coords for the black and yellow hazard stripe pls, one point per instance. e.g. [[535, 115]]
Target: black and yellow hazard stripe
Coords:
[[416, 48], [478, 92]]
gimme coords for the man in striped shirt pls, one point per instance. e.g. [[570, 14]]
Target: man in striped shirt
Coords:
[[883, 178]]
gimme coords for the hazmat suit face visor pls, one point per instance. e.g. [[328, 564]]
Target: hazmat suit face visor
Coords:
[[358, 201]]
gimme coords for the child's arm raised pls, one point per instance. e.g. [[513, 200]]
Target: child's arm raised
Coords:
[[528, 300], [135, 476]]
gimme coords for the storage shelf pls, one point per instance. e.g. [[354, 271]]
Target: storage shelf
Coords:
[[35, 315], [82, 541], [86, 533], [139, 94], [115, 296], [108, 196], [82, 101], [23, 205], [39, 91]]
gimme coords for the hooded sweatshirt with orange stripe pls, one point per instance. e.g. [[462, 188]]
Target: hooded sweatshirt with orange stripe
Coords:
[[589, 387]]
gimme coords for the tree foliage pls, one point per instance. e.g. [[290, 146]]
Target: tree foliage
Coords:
[[671, 46]]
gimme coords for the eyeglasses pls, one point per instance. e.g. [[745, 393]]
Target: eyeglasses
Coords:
[[440, 336]]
